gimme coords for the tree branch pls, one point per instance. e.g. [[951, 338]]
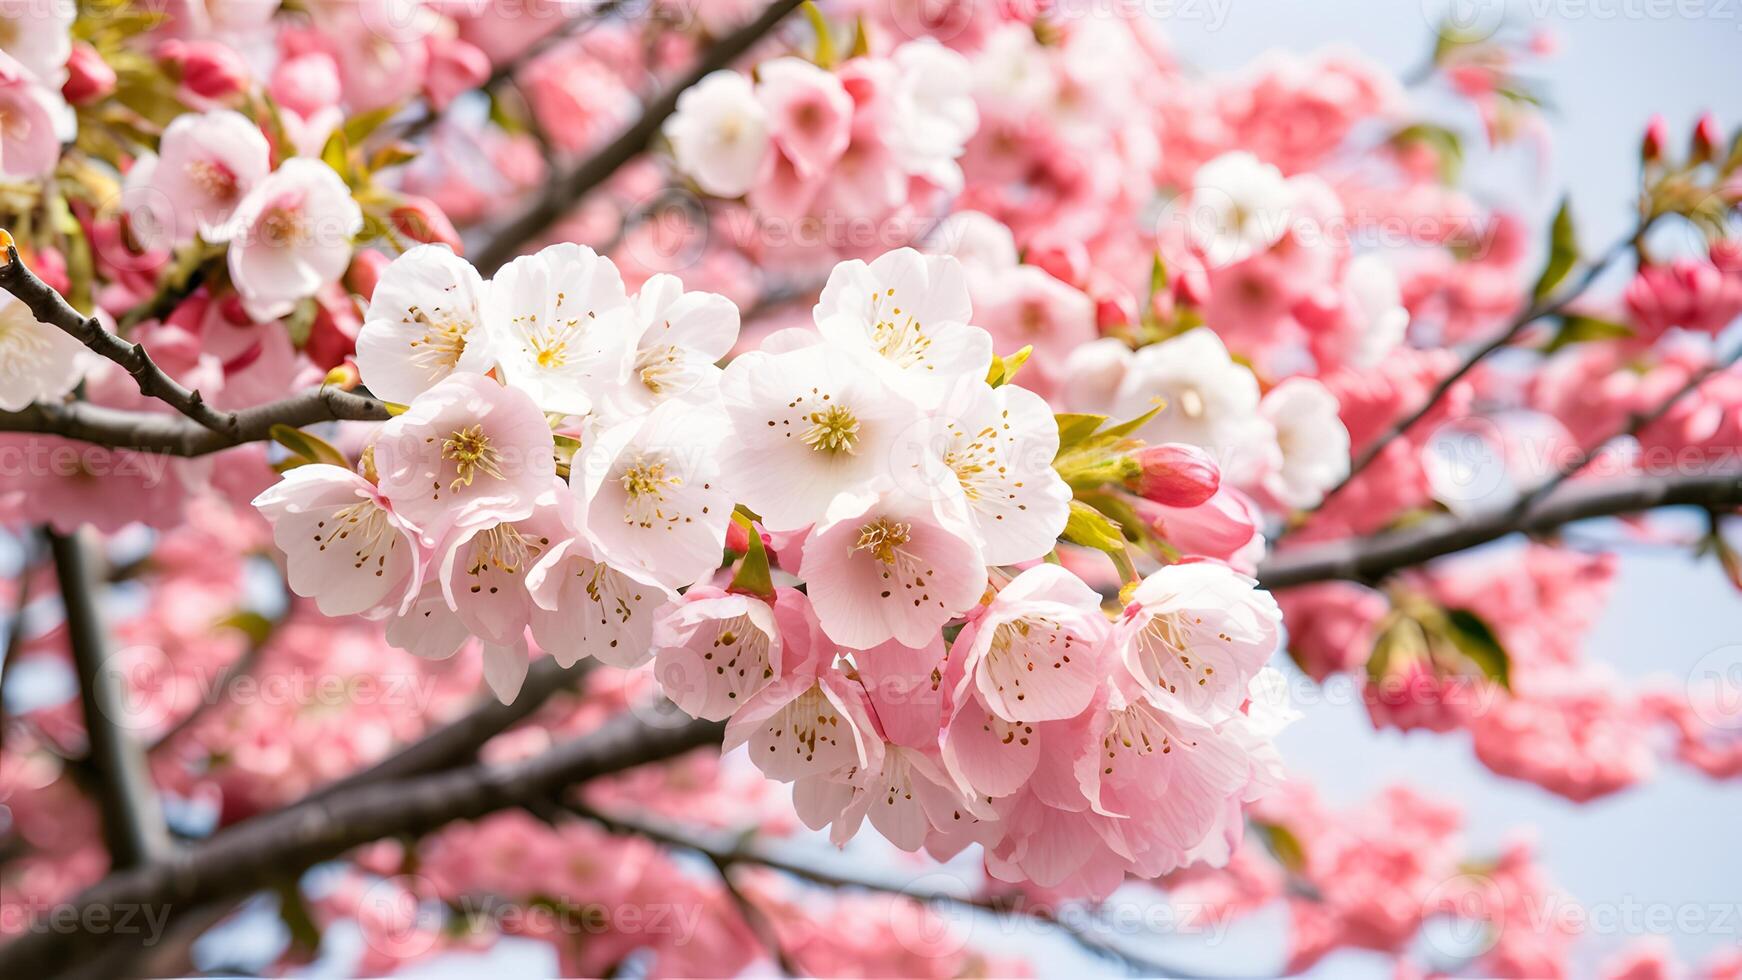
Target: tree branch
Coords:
[[133, 822], [51, 308], [1371, 559], [561, 194], [1534, 312], [174, 436], [254, 853]]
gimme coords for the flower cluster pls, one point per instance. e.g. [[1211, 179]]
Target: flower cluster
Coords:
[[871, 454]]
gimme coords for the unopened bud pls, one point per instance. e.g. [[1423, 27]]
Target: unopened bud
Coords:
[[208, 69], [419, 219], [1726, 255], [1174, 474], [365, 271], [1656, 135], [89, 77], [1703, 147]]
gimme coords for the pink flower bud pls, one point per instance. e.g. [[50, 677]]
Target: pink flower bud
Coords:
[[50, 266], [1068, 261], [1706, 140], [1114, 304], [1656, 135], [1175, 474], [208, 69], [365, 271], [1726, 254], [1191, 288], [419, 219], [306, 83], [332, 337], [455, 66], [89, 77]]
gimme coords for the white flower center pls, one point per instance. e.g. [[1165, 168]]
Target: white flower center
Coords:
[[645, 482], [471, 452]]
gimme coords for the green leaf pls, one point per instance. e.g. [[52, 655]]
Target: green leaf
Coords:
[[1075, 428], [825, 56], [251, 624], [310, 448], [753, 576], [1563, 251], [1284, 846], [1125, 428], [1472, 637], [1092, 529], [361, 126], [1157, 275], [1003, 370], [1578, 329]]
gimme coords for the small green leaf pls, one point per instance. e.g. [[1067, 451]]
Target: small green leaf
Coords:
[[825, 56], [310, 448], [1284, 846], [1578, 329], [1157, 275], [1472, 637], [1125, 428], [1563, 251], [1003, 370], [753, 576], [1092, 529], [1075, 428], [361, 126], [251, 624]]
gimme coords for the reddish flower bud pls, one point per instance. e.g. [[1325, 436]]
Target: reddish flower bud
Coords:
[[1656, 135], [419, 219], [1191, 288], [1067, 261], [1726, 254], [1114, 304], [89, 77], [1174, 474], [365, 271], [1706, 140], [332, 338], [455, 66], [208, 69]]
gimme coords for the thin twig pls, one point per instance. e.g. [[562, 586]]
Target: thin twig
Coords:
[[51, 308], [1371, 559], [1636, 423], [563, 193], [1534, 312], [173, 436]]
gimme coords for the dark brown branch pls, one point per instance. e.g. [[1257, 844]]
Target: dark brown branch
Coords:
[[133, 822], [254, 853], [562, 193], [1371, 559], [175, 436], [51, 308], [458, 741]]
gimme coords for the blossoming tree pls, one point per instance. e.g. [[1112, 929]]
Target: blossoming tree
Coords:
[[462, 460]]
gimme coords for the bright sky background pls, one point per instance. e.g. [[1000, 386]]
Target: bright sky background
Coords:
[[1672, 841]]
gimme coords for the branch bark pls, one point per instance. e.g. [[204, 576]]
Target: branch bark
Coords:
[[51, 308], [133, 822], [254, 853], [1534, 312], [175, 436], [561, 194], [1371, 559]]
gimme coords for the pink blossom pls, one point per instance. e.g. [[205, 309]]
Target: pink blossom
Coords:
[[290, 236]]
